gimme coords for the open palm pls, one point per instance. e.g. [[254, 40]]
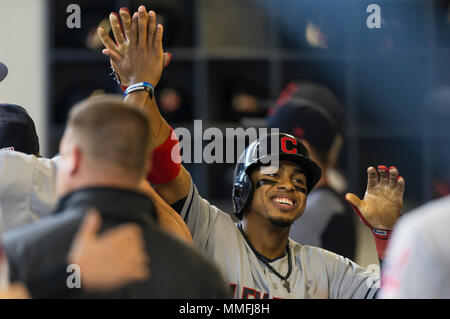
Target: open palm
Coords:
[[383, 199]]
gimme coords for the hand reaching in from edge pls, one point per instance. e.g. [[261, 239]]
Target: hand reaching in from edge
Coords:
[[109, 260]]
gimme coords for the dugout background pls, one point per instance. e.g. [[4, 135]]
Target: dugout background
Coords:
[[394, 82]]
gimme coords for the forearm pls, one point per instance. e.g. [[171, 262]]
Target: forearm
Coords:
[[168, 219], [159, 129]]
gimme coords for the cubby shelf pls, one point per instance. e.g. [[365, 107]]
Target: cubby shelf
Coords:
[[383, 86]]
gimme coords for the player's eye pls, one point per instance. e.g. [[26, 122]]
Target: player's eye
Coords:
[[271, 175], [298, 181]]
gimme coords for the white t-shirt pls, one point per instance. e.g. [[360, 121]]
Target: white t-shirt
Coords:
[[27, 188]]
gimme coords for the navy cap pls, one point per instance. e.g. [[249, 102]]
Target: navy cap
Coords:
[[316, 95], [17, 130], [314, 125], [3, 71]]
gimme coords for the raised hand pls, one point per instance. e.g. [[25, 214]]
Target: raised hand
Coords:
[[118, 52], [383, 199]]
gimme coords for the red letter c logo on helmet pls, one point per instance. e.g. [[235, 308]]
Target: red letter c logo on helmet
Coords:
[[283, 145]]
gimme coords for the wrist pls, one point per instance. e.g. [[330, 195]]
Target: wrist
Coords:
[[141, 87], [140, 79], [382, 238]]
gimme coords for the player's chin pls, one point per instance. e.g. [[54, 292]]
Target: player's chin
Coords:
[[283, 218], [281, 221]]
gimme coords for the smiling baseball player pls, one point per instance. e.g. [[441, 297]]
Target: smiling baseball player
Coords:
[[255, 255]]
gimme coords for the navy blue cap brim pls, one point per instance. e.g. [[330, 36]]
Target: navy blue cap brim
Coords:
[[3, 71]]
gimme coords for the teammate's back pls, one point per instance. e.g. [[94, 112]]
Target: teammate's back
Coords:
[[176, 270]]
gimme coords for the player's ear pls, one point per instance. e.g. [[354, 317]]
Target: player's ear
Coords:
[[76, 156]]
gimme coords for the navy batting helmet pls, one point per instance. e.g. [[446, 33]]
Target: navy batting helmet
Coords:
[[270, 149]]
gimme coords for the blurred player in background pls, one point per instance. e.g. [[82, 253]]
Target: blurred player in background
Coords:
[[311, 113]]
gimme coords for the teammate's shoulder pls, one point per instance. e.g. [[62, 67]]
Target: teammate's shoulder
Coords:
[[37, 231], [8, 157], [430, 211], [429, 218]]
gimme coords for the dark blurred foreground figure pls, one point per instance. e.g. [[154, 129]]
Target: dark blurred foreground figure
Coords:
[[104, 157], [418, 259], [311, 113], [115, 258]]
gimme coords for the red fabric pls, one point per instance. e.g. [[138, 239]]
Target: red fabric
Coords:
[[381, 236], [381, 242], [166, 161]]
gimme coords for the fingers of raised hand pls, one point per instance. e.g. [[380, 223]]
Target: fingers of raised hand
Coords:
[[106, 39], [142, 25], [157, 44], [387, 178], [399, 187], [167, 58], [384, 175], [113, 55], [393, 174], [151, 28], [134, 30], [126, 21], [116, 27], [372, 178]]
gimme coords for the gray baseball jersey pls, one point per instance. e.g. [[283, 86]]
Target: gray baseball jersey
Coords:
[[417, 263], [316, 273]]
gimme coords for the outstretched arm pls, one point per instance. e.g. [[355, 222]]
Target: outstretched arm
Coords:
[[168, 218], [143, 61]]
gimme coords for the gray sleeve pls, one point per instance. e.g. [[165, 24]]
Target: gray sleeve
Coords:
[[351, 281], [202, 218]]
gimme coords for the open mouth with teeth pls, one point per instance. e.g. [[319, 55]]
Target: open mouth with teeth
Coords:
[[284, 203]]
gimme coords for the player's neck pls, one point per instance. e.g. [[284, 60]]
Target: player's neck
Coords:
[[269, 240]]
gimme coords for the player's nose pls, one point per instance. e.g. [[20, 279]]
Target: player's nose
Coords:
[[286, 184]]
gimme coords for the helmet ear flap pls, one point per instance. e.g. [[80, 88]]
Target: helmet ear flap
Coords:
[[242, 194]]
